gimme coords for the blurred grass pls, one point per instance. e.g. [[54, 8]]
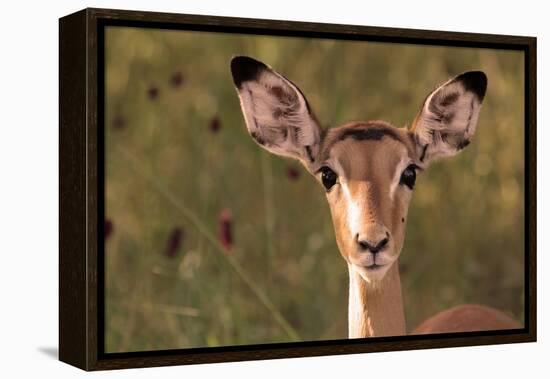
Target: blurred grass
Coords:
[[178, 156]]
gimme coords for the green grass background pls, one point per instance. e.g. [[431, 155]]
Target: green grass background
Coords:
[[284, 279]]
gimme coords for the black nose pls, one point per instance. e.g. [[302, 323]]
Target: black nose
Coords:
[[372, 247]]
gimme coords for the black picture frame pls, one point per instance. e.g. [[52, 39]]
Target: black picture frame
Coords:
[[81, 160]]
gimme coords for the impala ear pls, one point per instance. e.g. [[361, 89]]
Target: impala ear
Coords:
[[277, 114], [448, 119]]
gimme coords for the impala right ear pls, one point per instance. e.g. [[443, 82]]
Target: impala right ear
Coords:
[[277, 114], [448, 118]]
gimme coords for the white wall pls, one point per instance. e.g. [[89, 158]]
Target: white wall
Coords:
[[28, 200]]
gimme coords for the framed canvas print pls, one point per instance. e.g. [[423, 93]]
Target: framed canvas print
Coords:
[[239, 189]]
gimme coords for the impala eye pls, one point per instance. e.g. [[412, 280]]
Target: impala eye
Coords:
[[408, 177], [328, 177]]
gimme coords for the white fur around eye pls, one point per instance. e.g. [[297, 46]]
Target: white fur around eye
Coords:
[[353, 208], [353, 211]]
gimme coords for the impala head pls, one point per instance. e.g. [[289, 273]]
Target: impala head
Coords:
[[368, 169]]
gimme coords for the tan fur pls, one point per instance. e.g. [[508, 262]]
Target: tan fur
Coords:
[[376, 310], [375, 304], [467, 318], [368, 181], [368, 204]]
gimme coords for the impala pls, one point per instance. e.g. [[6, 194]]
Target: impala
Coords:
[[368, 170]]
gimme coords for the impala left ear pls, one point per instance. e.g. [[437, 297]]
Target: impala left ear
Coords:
[[448, 119]]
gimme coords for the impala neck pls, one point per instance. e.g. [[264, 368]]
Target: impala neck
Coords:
[[375, 310]]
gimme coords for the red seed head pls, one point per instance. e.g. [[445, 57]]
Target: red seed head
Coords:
[[119, 122], [293, 173], [153, 92], [107, 229], [225, 229], [176, 79], [215, 125], [174, 242]]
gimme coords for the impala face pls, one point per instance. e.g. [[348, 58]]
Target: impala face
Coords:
[[368, 169]]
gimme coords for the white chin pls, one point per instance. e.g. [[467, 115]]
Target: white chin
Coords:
[[372, 275]]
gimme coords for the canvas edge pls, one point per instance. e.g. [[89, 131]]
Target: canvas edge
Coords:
[[72, 190], [78, 163]]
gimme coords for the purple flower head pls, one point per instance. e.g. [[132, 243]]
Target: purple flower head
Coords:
[[215, 124], [225, 229], [107, 229], [153, 92], [177, 79], [119, 122], [174, 242], [293, 173]]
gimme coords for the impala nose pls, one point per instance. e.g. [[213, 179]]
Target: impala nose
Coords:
[[372, 245]]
